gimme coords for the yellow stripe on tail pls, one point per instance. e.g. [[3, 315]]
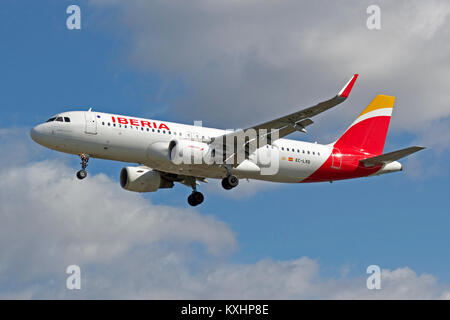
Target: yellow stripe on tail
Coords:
[[380, 102]]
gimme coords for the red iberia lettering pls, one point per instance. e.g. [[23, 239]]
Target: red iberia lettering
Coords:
[[146, 123], [134, 122], [163, 126], [122, 120]]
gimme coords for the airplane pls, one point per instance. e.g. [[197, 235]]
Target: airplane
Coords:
[[160, 148]]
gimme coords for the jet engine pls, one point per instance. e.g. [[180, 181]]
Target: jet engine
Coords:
[[189, 152], [142, 179]]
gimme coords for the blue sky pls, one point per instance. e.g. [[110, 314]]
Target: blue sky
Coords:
[[394, 221]]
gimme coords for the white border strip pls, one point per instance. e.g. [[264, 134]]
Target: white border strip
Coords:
[[374, 113]]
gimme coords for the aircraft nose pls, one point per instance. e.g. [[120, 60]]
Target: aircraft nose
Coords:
[[36, 133]]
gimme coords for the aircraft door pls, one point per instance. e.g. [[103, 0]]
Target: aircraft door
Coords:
[[336, 159], [91, 123]]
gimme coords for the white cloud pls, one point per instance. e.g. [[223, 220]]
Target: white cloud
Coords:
[[300, 279], [246, 62], [49, 220], [128, 247], [91, 220], [433, 161]]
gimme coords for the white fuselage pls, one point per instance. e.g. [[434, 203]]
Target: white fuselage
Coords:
[[145, 142]]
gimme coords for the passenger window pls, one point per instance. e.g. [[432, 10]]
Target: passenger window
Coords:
[[59, 119], [308, 152], [66, 119], [282, 148]]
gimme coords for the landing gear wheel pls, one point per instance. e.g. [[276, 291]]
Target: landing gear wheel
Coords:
[[84, 162], [225, 184], [195, 198], [230, 182], [81, 174]]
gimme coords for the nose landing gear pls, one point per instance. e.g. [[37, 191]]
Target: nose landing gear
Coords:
[[84, 162]]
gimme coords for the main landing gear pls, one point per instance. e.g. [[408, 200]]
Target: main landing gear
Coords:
[[230, 182], [84, 162], [196, 197]]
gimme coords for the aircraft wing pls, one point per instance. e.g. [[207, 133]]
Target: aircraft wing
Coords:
[[269, 131], [298, 120], [390, 157]]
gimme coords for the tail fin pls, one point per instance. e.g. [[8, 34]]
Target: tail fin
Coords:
[[368, 132]]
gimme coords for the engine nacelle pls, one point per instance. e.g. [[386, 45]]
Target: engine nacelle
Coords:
[[141, 179], [189, 152]]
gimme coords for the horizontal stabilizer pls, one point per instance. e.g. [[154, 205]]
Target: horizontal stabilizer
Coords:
[[390, 157]]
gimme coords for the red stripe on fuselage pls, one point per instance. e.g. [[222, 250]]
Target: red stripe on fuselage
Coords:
[[349, 166]]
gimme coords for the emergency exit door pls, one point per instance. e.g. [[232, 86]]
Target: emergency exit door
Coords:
[[91, 123]]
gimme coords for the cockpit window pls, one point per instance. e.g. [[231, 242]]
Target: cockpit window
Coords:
[[66, 119], [59, 119], [51, 119]]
